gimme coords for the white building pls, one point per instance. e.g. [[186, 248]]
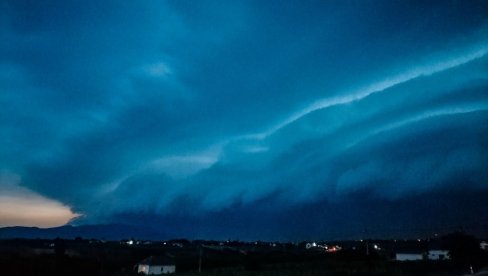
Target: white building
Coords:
[[437, 255], [484, 245], [156, 265], [433, 255], [409, 257]]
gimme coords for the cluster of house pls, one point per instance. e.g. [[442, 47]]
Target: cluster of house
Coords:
[[431, 254], [418, 255], [157, 265]]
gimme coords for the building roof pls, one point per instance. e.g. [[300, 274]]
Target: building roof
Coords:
[[157, 260]]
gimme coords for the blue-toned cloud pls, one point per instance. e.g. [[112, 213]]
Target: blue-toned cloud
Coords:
[[191, 112]]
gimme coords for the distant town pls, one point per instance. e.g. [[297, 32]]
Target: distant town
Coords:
[[452, 254]]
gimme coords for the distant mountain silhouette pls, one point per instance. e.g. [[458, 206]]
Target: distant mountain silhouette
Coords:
[[105, 231]]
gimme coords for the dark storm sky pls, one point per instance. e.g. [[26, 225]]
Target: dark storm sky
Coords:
[[247, 119]]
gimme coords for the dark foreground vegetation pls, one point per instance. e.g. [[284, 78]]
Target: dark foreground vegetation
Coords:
[[97, 257]]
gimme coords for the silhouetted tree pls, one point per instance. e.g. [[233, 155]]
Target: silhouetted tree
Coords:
[[463, 248]]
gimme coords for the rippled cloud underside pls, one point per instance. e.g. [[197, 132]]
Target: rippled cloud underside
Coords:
[[252, 119]]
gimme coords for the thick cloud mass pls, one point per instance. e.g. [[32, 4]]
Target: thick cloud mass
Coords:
[[211, 119]]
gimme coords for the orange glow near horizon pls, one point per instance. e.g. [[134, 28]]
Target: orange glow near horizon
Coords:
[[22, 207]]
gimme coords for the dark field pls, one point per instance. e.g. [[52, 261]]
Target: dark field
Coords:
[[95, 257]]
